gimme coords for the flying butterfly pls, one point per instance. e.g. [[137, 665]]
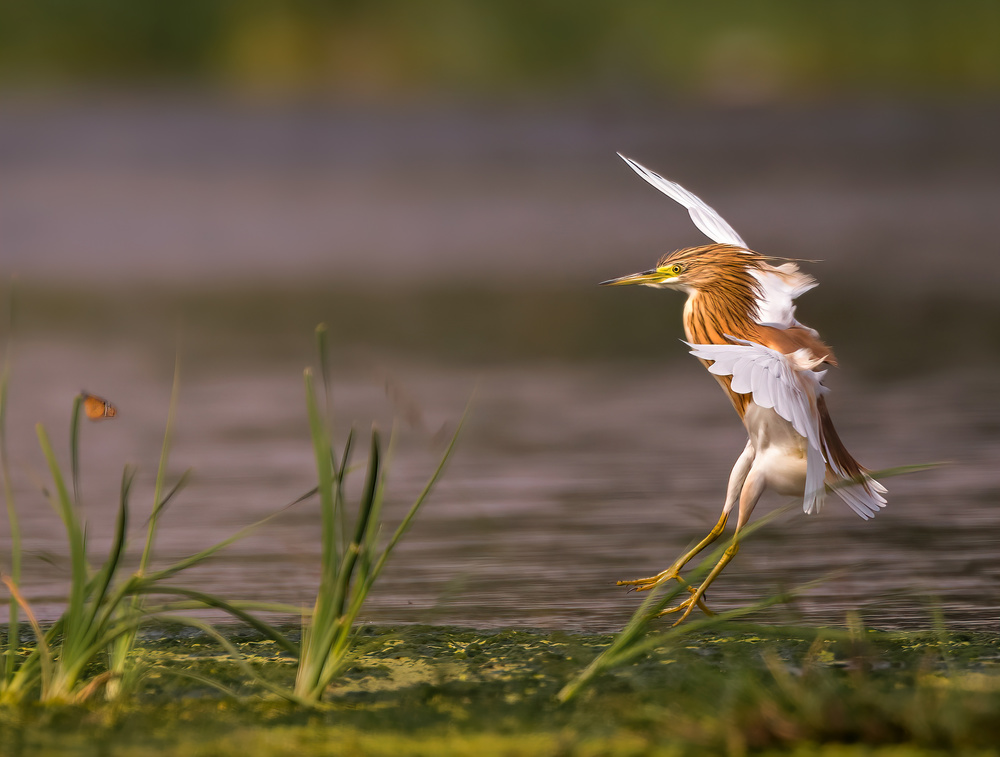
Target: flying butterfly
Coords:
[[97, 408]]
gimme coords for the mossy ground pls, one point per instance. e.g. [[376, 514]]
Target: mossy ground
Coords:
[[445, 691]]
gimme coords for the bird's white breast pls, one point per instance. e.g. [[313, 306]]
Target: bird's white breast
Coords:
[[780, 452]]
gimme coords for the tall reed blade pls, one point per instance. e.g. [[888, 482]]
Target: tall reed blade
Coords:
[[339, 508], [348, 558], [368, 498], [118, 653], [324, 370], [42, 652], [161, 470], [74, 446], [13, 626], [64, 506], [324, 472]]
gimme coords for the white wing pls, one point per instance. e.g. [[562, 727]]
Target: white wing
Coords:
[[860, 500], [779, 285], [864, 497], [705, 218], [776, 382]]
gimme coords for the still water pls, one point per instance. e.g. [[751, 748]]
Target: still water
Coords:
[[568, 477]]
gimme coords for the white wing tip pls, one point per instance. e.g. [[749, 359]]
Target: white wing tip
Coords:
[[634, 165], [864, 502]]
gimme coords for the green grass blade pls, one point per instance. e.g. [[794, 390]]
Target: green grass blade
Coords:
[[328, 628], [98, 589], [198, 678], [13, 626], [185, 605], [199, 557], [324, 369], [247, 669], [340, 508], [324, 472], [161, 506], [339, 514], [74, 446], [345, 459], [369, 548], [231, 608], [609, 659], [324, 613], [75, 535], [415, 508], [368, 506], [122, 646], [899, 470], [629, 643], [161, 471], [44, 654], [309, 494], [310, 653]]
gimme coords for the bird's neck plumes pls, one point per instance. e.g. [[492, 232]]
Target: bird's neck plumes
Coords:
[[724, 303]]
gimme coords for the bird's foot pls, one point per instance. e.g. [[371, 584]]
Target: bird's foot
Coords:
[[645, 584], [687, 606]]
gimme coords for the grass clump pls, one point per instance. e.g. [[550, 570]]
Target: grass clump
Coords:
[[351, 558], [90, 647]]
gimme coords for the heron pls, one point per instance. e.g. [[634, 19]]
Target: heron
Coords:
[[739, 321]]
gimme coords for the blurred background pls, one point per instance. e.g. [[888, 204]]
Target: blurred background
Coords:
[[437, 181]]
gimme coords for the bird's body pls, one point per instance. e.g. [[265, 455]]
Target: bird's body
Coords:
[[739, 320]]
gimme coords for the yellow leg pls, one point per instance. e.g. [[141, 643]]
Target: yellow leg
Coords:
[[644, 584], [749, 485], [696, 594]]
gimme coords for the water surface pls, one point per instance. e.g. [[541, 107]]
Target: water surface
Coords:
[[458, 250], [567, 477]]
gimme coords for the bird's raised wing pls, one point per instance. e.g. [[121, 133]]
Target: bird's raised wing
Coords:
[[705, 218], [785, 383], [779, 285]]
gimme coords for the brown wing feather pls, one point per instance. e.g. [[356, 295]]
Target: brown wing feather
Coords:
[[703, 326], [722, 306], [838, 452], [787, 341]]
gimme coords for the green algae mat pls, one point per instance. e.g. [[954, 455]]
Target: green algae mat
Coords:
[[420, 690]]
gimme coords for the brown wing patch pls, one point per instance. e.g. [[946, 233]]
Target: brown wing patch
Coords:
[[740, 401], [787, 341], [838, 453]]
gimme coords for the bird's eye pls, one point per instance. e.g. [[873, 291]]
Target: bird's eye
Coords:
[[673, 270]]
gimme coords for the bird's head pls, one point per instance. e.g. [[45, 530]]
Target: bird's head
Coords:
[[698, 268]]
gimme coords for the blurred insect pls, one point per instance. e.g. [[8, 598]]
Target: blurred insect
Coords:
[[97, 408]]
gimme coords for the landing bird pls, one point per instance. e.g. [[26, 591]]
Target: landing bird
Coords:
[[739, 320]]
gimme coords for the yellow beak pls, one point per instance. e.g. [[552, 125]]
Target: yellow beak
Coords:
[[652, 276]]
